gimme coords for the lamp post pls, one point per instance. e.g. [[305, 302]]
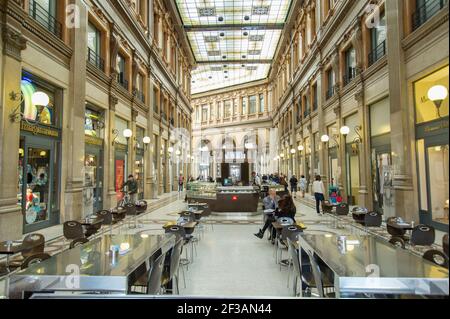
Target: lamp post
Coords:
[[146, 140]]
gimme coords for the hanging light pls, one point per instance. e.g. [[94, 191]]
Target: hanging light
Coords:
[[325, 138], [40, 98], [345, 130]]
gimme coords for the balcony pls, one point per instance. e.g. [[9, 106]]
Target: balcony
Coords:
[[377, 53], [95, 60], [44, 18], [122, 81], [350, 75], [426, 11]]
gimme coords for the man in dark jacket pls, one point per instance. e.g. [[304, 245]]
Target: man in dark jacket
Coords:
[[294, 182], [132, 188]]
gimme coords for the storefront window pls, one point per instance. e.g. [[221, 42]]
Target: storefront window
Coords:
[[93, 123], [139, 165], [43, 114], [352, 160], [425, 109], [121, 156]]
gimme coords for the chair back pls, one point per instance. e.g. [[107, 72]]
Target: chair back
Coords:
[[290, 232], [121, 214], [78, 242], [155, 275], [394, 231], [423, 235], [73, 230], [35, 244], [437, 257], [294, 256], [445, 244], [130, 209], [93, 228], [141, 207], [106, 216], [34, 259], [285, 221], [189, 215], [179, 231], [317, 273], [176, 257], [373, 219], [342, 209]]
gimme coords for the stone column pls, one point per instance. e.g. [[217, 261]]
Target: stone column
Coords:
[[159, 179], [149, 192], [73, 137], [132, 142], [402, 118], [111, 197], [323, 152], [11, 45]]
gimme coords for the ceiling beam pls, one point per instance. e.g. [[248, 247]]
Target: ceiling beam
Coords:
[[261, 61], [231, 27]]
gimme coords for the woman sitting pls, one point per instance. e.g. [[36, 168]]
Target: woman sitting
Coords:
[[286, 208]]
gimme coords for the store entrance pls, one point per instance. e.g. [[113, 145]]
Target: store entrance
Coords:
[[37, 183], [93, 194], [382, 179]]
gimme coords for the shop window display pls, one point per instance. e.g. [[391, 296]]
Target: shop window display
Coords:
[[43, 114]]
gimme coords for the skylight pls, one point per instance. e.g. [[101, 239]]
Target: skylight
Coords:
[[241, 33]]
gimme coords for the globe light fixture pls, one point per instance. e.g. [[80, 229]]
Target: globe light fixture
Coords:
[[293, 151], [281, 155], [437, 94], [301, 148], [325, 138], [170, 149], [345, 130], [146, 140], [178, 152], [127, 133], [40, 99]]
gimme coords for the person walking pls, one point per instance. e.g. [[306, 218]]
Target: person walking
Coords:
[[302, 184], [319, 191], [294, 182], [284, 183], [180, 183]]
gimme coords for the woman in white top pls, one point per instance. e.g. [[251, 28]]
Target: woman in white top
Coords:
[[302, 183], [318, 190]]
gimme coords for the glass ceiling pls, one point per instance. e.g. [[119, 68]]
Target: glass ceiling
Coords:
[[233, 41]]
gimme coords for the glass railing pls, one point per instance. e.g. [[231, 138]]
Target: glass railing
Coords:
[[426, 11], [95, 60], [44, 18], [377, 53]]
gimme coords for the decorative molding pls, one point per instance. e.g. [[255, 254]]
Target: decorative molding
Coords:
[[13, 43]]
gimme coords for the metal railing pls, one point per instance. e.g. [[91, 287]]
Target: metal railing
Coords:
[[122, 81], [377, 53], [139, 95], [426, 11], [349, 75], [44, 18], [94, 59]]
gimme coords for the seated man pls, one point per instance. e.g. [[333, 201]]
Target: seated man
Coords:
[[270, 202]]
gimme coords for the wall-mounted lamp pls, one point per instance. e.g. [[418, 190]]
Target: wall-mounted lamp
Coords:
[[293, 151], [146, 140], [325, 138], [437, 94], [170, 149], [178, 152], [37, 99], [127, 133], [301, 148], [282, 155], [345, 130]]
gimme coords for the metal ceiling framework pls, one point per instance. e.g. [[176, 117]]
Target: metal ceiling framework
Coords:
[[233, 41]]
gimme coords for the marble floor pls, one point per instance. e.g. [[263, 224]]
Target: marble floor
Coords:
[[230, 260]]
